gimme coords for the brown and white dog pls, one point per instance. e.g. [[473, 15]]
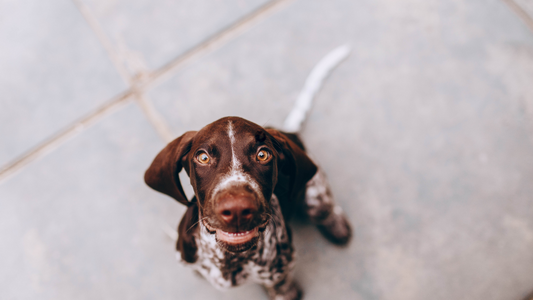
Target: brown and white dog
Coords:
[[247, 181]]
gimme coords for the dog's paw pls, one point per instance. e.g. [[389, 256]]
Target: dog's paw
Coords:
[[336, 227], [285, 291]]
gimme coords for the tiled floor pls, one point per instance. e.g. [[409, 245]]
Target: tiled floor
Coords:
[[425, 132]]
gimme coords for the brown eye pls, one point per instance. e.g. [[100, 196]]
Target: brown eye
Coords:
[[263, 155], [203, 158]]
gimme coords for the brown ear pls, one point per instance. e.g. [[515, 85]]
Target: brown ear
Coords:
[[163, 173], [294, 164], [186, 243]]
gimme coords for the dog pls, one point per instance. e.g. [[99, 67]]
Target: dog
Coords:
[[248, 181]]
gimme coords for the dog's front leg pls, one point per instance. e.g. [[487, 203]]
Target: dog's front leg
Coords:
[[322, 210]]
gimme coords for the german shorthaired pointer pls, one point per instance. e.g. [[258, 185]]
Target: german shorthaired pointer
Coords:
[[247, 181]]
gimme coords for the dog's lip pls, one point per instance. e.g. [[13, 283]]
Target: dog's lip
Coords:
[[208, 227], [236, 238]]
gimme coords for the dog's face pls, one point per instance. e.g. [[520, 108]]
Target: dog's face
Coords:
[[232, 164]]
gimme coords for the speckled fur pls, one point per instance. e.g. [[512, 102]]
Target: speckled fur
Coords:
[[318, 198], [320, 206], [269, 262]]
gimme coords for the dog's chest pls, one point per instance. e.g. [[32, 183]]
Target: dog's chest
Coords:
[[266, 263]]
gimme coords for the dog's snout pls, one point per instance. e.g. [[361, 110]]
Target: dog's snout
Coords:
[[236, 210]]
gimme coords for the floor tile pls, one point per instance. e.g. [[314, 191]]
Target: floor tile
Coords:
[[151, 34], [54, 71]]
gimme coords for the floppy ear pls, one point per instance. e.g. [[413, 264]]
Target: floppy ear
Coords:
[[163, 173], [294, 166], [186, 243]]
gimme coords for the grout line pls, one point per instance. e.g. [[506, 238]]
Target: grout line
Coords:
[[154, 117], [138, 84], [148, 80], [526, 18], [151, 114], [158, 122], [214, 41], [106, 42], [55, 141]]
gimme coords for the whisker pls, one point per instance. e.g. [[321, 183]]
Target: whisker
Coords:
[[195, 224], [269, 119]]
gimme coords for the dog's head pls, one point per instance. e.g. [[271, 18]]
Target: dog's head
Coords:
[[234, 167]]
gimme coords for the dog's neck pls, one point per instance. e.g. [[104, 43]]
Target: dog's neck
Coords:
[[270, 256]]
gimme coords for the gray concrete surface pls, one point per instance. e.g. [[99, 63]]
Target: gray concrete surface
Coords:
[[157, 32], [425, 133], [53, 69]]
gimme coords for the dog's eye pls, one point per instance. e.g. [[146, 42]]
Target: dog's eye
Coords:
[[203, 158], [263, 155]]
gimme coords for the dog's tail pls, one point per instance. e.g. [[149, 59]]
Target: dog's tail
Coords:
[[313, 83]]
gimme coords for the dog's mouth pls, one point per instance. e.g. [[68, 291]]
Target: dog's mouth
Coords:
[[236, 241], [236, 238]]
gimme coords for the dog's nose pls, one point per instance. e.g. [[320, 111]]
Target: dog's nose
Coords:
[[236, 210]]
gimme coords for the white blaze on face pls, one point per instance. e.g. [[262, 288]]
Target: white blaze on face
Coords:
[[235, 163], [236, 173]]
